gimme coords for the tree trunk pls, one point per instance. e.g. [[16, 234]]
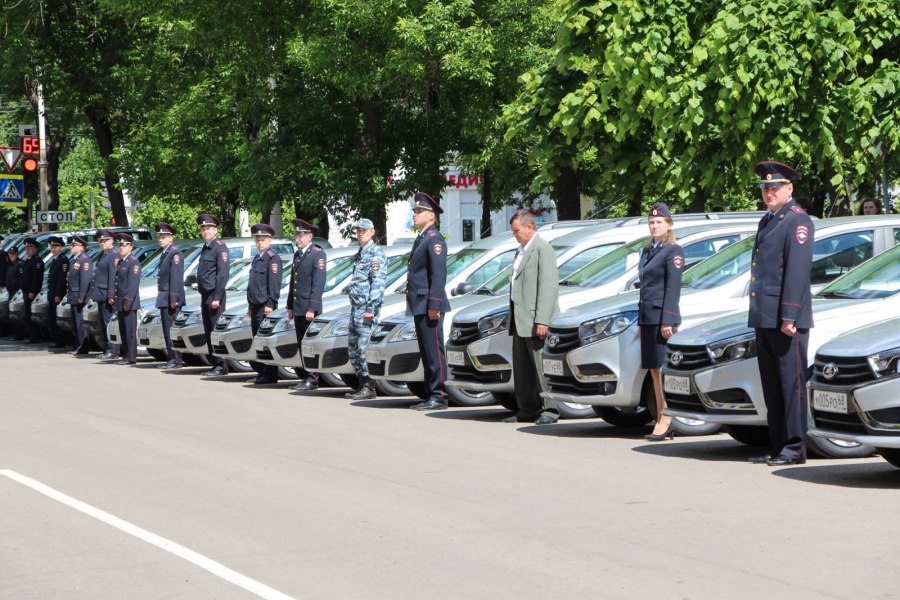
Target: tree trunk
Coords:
[[99, 121], [227, 208], [568, 196], [487, 203]]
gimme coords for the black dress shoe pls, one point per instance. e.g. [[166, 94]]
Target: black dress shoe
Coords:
[[124, 361], [760, 460], [429, 405], [215, 372], [264, 381], [108, 356], [306, 386], [781, 460], [171, 365], [546, 420], [512, 419]]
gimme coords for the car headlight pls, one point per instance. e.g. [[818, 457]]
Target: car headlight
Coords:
[[283, 324], [195, 318], [339, 328], [405, 333], [238, 322], [606, 327], [92, 304], [885, 363], [492, 324], [316, 327], [736, 348]]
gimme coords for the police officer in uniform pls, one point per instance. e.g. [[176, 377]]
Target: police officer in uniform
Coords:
[[103, 290], [169, 289], [781, 312], [212, 277], [426, 299], [366, 291], [128, 279], [263, 291], [660, 267], [305, 290], [57, 283], [12, 283], [32, 283], [79, 290]]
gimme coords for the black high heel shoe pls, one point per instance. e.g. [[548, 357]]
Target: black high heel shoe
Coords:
[[668, 434]]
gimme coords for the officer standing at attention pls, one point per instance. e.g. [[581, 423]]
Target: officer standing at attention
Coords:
[[263, 291], [426, 299], [304, 299], [169, 289], [32, 282], [56, 288], [79, 290], [212, 277], [13, 277], [103, 290], [366, 290], [781, 312], [128, 279]]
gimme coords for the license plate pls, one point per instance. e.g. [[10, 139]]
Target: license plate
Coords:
[[553, 367], [835, 402], [142, 332], [456, 357], [259, 346], [307, 350], [675, 384], [215, 339], [372, 355]]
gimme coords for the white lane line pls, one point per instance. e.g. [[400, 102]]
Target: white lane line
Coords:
[[217, 569]]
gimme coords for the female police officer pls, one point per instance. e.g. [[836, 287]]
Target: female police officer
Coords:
[[660, 273]]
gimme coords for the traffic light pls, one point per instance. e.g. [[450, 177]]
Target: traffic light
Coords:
[[30, 178]]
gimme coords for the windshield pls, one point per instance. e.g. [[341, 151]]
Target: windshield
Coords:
[[584, 258], [497, 284], [875, 278], [338, 269], [462, 259], [397, 266], [238, 277], [720, 268], [150, 264], [606, 268]]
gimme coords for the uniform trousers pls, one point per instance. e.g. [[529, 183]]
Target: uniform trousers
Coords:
[[430, 335], [78, 328], [528, 374], [210, 316], [31, 329], [358, 336], [783, 371], [257, 314], [56, 334], [128, 334], [300, 327], [167, 317], [107, 311]]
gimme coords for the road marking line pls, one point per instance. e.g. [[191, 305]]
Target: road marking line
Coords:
[[217, 569]]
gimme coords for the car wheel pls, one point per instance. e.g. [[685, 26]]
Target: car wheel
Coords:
[[573, 410], [624, 416], [465, 398], [751, 435], [286, 373], [506, 400], [829, 448], [351, 381], [330, 379], [680, 424], [159, 355], [195, 360], [238, 366], [892, 455], [391, 388], [417, 388]]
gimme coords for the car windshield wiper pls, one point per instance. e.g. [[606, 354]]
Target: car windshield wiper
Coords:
[[837, 295], [569, 283]]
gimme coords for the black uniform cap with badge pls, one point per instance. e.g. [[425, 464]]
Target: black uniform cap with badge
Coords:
[[207, 220], [422, 201], [103, 235], [164, 229], [56, 241], [302, 227], [773, 174], [659, 209], [79, 241], [262, 230], [124, 239], [30, 241]]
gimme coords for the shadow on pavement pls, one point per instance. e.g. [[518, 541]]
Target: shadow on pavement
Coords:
[[393, 402], [585, 428], [713, 448], [487, 414], [872, 473]]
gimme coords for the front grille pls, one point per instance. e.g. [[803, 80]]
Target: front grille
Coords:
[[849, 423], [178, 343], [404, 363], [727, 396], [850, 371], [888, 416], [266, 327], [693, 357], [376, 369], [264, 354], [310, 363], [197, 340], [383, 330], [569, 385], [334, 358], [463, 333], [470, 373], [223, 323], [220, 348], [568, 339], [287, 350]]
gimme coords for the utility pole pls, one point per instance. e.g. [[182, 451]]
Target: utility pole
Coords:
[[42, 142]]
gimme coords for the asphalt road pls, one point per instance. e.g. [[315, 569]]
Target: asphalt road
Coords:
[[119, 482]]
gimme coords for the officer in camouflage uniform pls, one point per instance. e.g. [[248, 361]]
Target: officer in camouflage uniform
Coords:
[[366, 291]]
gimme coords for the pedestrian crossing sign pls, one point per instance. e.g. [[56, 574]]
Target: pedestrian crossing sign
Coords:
[[12, 190]]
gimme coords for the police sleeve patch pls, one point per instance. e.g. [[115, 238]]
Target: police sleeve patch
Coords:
[[802, 234], [136, 269], [87, 266], [321, 263], [274, 267], [176, 259], [678, 261], [376, 266], [438, 249], [224, 257], [77, 265]]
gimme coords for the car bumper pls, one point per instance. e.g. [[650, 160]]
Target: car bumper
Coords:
[[236, 344], [872, 415], [728, 394], [189, 339], [396, 361], [277, 349], [327, 355], [484, 365]]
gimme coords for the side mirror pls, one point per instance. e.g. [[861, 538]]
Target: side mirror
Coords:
[[463, 288], [191, 281], [636, 284]]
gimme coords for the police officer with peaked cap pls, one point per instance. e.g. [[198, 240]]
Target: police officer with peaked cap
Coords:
[[13, 277], [212, 277], [305, 291], [32, 282], [79, 291], [128, 300], [169, 289], [57, 274], [103, 288], [426, 298], [263, 291], [366, 290], [781, 311]]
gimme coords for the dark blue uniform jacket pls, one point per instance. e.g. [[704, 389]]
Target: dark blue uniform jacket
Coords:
[[104, 287], [212, 270], [307, 281], [32, 275], [170, 278], [264, 287], [427, 276], [128, 280], [57, 277], [660, 274], [80, 277]]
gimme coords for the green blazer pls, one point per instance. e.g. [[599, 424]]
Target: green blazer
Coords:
[[535, 287]]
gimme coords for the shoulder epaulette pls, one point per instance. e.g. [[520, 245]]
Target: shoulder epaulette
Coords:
[[219, 242], [797, 210]]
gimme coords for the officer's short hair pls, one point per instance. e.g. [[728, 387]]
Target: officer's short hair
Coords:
[[526, 216]]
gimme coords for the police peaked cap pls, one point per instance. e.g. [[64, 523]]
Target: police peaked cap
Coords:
[[423, 200], [164, 228], [124, 238], [262, 229], [55, 241], [773, 173], [659, 209], [301, 226], [79, 240], [207, 219], [30, 241], [104, 234]]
